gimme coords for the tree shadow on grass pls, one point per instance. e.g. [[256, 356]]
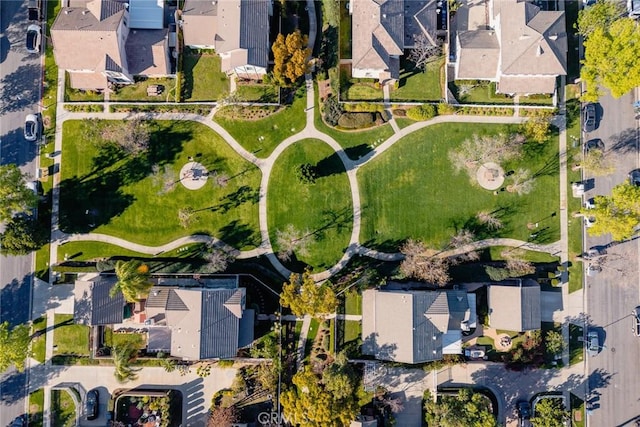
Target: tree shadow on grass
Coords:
[[357, 152], [239, 235], [550, 168], [331, 165], [338, 220], [244, 194]]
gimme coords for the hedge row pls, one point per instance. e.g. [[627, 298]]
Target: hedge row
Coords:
[[84, 108], [202, 110]]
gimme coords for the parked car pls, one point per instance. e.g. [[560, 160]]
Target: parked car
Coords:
[[31, 127], [589, 118], [636, 321], [524, 413], [634, 177], [589, 221], [593, 343], [19, 422], [474, 353], [590, 203], [91, 404], [594, 144], [33, 38]]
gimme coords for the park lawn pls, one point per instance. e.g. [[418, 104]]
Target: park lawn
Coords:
[[362, 92], [63, 409], [352, 302], [203, 79], [70, 338], [403, 122], [138, 91], [87, 251], [257, 92], [495, 253], [262, 136], [412, 191], [418, 85], [105, 192], [36, 408], [355, 143], [38, 344], [323, 209]]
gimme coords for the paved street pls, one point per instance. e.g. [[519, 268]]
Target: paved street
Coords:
[[613, 293], [19, 95]]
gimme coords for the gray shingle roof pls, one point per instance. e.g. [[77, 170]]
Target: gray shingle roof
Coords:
[[93, 305], [254, 31], [219, 327], [514, 305]]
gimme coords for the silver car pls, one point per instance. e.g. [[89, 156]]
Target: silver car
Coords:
[[593, 343], [31, 127], [33, 38]]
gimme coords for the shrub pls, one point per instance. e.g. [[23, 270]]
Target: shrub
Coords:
[[356, 120], [444, 109], [399, 112], [105, 265], [422, 112], [497, 274], [307, 173], [364, 107], [332, 111]]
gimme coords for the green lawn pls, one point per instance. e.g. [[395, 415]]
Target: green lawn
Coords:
[[38, 344], [352, 330], [36, 408], [576, 344], [419, 85], [537, 100], [123, 199], [362, 92], [257, 92], [496, 255], [574, 204], [483, 93], [70, 338], [63, 410], [203, 80], [115, 339], [323, 209], [411, 191], [262, 136], [85, 251], [355, 143], [42, 263], [577, 411], [403, 122], [352, 302], [138, 91]]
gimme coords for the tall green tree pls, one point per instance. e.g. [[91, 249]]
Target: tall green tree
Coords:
[[618, 214], [611, 59], [133, 280], [303, 296], [22, 235], [310, 404], [465, 409], [600, 15], [123, 355], [14, 346], [550, 413], [15, 197]]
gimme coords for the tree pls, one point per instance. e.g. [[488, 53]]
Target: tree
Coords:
[[536, 128], [217, 259], [123, 355], [424, 51], [618, 214], [186, 216], [598, 16], [131, 136], [290, 57], [339, 378], [14, 346], [222, 417], [22, 235], [554, 342], [307, 173], [478, 150], [15, 196], [420, 265], [303, 296], [467, 408], [611, 59], [596, 163], [292, 240], [521, 182], [133, 280], [332, 110], [489, 220], [310, 404], [550, 412]]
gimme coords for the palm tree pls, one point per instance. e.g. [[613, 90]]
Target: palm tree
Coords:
[[133, 280], [123, 355]]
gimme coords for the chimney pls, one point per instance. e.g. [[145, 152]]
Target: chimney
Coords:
[[539, 51]]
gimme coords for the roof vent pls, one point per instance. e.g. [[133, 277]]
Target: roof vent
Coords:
[[553, 37], [67, 11], [539, 51], [84, 12], [384, 15]]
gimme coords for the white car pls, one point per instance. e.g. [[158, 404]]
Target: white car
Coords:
[[33, 38], [31, 127], [589, 221]]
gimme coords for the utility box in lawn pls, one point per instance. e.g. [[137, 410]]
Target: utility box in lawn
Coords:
[[34, 10]]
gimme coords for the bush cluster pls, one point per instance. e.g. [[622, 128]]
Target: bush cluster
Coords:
[[84, 108], [364, 107], [356, 120], [332, 111], [422, 112]]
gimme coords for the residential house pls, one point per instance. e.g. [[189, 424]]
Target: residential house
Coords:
[[381, 30], [238, 30], [514, 305], [97, 42], [415, 326], [524, 49], [92, 304]]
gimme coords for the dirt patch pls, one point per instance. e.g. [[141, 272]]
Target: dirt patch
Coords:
[[239, 112]]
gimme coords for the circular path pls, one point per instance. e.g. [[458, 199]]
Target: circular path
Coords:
[[490, 176], [193, 176]]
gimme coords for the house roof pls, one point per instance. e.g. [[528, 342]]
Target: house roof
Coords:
[[411, 326], [243, 33], [420, 17], [526, 84], [377, 31], [86, 38], [147, 53], [533, 41], [88, 80], [199, 22], [146, 14], [514, 305], [93, 305], [478, 54], [205, 323]]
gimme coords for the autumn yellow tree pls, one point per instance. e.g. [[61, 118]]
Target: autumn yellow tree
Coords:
[[304, 296], [290, 55]]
